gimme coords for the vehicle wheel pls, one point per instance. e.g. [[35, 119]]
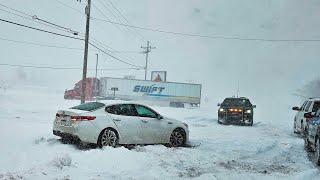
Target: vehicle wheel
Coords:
[[251, 123], [307, 146], [108, 137], [219, 122], [295, 128], [177, 138], [317, 151]]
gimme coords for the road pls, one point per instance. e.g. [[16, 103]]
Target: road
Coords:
[[268, 150]]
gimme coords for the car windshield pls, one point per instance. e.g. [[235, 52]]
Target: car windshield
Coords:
[[90, 106], [236, 102]]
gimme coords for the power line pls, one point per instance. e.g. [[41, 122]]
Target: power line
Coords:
[[208, 36], [114, 56], [68, 29], [30, 18], [123, 17], [37, 29], [54, 46], [63, 68], [42, 45], [131, 35], [203, 36], [70, 7], [142, 39], [112, 50], [15, 10], [105, 17]]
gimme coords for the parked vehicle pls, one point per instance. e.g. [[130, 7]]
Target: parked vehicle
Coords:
[[92, 90], [312, 135], [236, 111], [158, 93], [119, 123], [311, 106]]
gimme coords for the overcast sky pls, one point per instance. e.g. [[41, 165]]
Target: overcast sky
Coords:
[[267, 71]]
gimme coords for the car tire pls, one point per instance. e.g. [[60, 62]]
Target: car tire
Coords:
[[307, 146], [177, 138], [219, 122], [295, 128], [108, 137], [317, 151]]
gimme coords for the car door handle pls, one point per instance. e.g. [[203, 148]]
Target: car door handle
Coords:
[[145, 121], [116, 119]]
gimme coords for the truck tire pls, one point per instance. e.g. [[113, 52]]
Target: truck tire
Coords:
[[307, 146], [317, 151]]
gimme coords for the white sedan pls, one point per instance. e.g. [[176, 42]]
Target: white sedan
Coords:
[[119, 123]]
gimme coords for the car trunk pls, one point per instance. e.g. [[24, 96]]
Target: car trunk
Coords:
[[65, 117]]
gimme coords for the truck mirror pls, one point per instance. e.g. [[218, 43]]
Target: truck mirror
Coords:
[[296, 108], [254, 106], [219, 104]]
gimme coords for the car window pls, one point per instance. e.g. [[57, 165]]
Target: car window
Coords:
[[145, 112], [122, 109], [303, 105], [316, 106], [90, 106], [308, 106], [236, 102]]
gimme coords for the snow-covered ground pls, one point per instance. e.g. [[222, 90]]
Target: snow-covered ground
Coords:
[[268, 150]]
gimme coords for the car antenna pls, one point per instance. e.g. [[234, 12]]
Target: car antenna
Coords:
[[238, 89]]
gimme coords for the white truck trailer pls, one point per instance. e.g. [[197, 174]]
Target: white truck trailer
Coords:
[[155, 93]]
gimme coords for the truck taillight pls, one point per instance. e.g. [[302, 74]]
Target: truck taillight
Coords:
[[57, 115], [82, 118]]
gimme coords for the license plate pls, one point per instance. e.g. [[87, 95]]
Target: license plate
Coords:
[[65, 122]]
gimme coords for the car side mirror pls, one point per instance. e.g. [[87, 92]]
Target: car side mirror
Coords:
[[308, 115], [296, 108], [159, 117], [254, 106], [219, 104]]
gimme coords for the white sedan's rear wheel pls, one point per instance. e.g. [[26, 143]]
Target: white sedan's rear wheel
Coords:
[[108, 137], [177, 138]]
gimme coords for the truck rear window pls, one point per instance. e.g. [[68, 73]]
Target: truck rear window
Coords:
[[90, 106]]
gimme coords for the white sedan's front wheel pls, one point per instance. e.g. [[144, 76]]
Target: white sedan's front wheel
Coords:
[[177, 138], [108, 137]]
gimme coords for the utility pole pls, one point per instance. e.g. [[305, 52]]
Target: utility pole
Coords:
[[148, 49], [85, 59], [95, 85]]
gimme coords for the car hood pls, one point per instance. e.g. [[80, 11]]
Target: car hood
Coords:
[[175, 121]]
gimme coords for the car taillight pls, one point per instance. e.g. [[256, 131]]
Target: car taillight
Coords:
[[82, 118], [57, 115]]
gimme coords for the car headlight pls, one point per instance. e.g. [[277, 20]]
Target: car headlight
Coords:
[[248, 111], [221, 110]]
